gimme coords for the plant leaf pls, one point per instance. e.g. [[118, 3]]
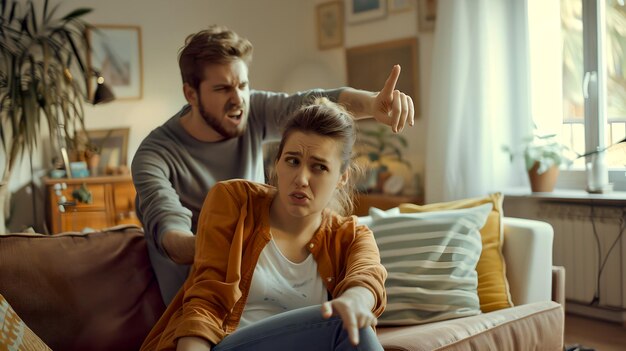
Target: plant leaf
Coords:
[[33, 17], [12, 13], [77, 13], [34, 50]]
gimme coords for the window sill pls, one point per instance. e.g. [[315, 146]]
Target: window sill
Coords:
[[569, 195]]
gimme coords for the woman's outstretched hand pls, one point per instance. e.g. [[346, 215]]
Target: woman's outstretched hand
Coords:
[[354, 307]]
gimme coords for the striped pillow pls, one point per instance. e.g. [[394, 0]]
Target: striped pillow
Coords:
[[431, 260]]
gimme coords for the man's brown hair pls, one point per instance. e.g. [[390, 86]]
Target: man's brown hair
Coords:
[[215, 45]]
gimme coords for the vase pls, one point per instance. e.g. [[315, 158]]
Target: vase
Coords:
[[92, 163], [597, 173], [544, 182]]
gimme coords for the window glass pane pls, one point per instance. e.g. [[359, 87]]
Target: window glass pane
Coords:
[[616, 82], [573, 128]]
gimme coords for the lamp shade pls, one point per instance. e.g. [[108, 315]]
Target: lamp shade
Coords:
[[102, 94]]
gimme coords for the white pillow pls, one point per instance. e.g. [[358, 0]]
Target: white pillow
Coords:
[[431, 259]]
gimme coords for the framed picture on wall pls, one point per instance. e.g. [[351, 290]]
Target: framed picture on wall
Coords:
[[426, 15], [111, 145], [370, 65], [116, 55], [365, 10], [330, 25], [400, 5]]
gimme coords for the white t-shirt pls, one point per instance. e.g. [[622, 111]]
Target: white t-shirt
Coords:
[[279, 285]]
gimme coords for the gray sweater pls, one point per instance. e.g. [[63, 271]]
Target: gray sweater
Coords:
[[173, 172]]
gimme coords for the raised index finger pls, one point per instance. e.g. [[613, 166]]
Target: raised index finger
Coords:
[[390, 83]]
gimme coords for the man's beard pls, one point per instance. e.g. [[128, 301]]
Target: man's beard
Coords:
[[216, 123]]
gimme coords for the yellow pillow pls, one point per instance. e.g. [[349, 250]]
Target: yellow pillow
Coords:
[[493, 288]]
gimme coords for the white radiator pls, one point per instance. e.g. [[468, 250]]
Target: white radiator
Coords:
[[582, 252]]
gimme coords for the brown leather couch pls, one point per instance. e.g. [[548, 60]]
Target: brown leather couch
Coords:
[[98, 292]]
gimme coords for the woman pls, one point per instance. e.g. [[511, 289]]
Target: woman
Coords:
[[274, 268]]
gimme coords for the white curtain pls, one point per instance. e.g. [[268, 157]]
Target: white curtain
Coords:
[[478, 99]]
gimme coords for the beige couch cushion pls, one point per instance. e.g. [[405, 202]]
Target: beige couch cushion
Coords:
[[82, 292], [536, 326]]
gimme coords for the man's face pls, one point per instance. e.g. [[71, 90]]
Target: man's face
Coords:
[[223, 98]]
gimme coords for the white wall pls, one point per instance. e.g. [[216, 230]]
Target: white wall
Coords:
[[283, 33], [396, 26], [286, 57]]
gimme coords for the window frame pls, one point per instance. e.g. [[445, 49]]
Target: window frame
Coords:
[[594, 88]]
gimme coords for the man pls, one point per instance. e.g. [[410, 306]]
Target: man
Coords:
[[219, 136]]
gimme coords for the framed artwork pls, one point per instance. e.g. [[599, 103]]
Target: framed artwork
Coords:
[[400, 5], [370, 65], [115, 53], [111, 145], [330, 25], [365, 10], [426, 15]]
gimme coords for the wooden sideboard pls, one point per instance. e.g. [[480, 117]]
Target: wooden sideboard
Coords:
[[112, 203], [363, 202]]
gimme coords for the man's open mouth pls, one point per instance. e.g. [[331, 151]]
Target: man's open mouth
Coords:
[[236, 115]]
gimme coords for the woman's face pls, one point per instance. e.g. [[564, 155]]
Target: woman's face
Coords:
[[308, 173]]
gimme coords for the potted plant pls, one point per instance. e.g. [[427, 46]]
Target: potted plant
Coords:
[[380, 146], [543, 155], [42, 80], [91, 150]]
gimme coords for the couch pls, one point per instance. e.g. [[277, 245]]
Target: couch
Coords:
[[98, 291]]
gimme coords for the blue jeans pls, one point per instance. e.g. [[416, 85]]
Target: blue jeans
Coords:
[[303, 329]]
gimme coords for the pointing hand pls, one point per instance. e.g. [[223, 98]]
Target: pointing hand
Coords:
[[393, 107]]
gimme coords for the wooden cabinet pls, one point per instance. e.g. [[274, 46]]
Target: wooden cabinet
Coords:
[[112, 203], [363, 202]]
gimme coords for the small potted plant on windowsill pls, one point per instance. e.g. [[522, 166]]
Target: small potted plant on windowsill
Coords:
[[543, 156]]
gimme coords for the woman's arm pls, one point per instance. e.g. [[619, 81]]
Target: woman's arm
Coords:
[[363, 269], [360, 296], [212, 288]]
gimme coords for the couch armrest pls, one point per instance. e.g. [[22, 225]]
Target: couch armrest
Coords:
[[528, 255], [558, 285]]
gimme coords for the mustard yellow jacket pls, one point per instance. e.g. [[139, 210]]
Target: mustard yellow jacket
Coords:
[[233, 229]]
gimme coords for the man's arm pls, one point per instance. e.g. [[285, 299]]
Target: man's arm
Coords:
[[193, 343], [179, 246], [166, 221], [389, 106]]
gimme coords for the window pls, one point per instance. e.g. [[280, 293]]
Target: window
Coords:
[[582, 64]]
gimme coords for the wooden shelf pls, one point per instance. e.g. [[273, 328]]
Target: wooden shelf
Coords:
[[113, 203]]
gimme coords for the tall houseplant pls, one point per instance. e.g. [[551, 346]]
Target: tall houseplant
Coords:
[[42, 80]]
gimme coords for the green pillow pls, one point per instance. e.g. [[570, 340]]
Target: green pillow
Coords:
[[431, 261]]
